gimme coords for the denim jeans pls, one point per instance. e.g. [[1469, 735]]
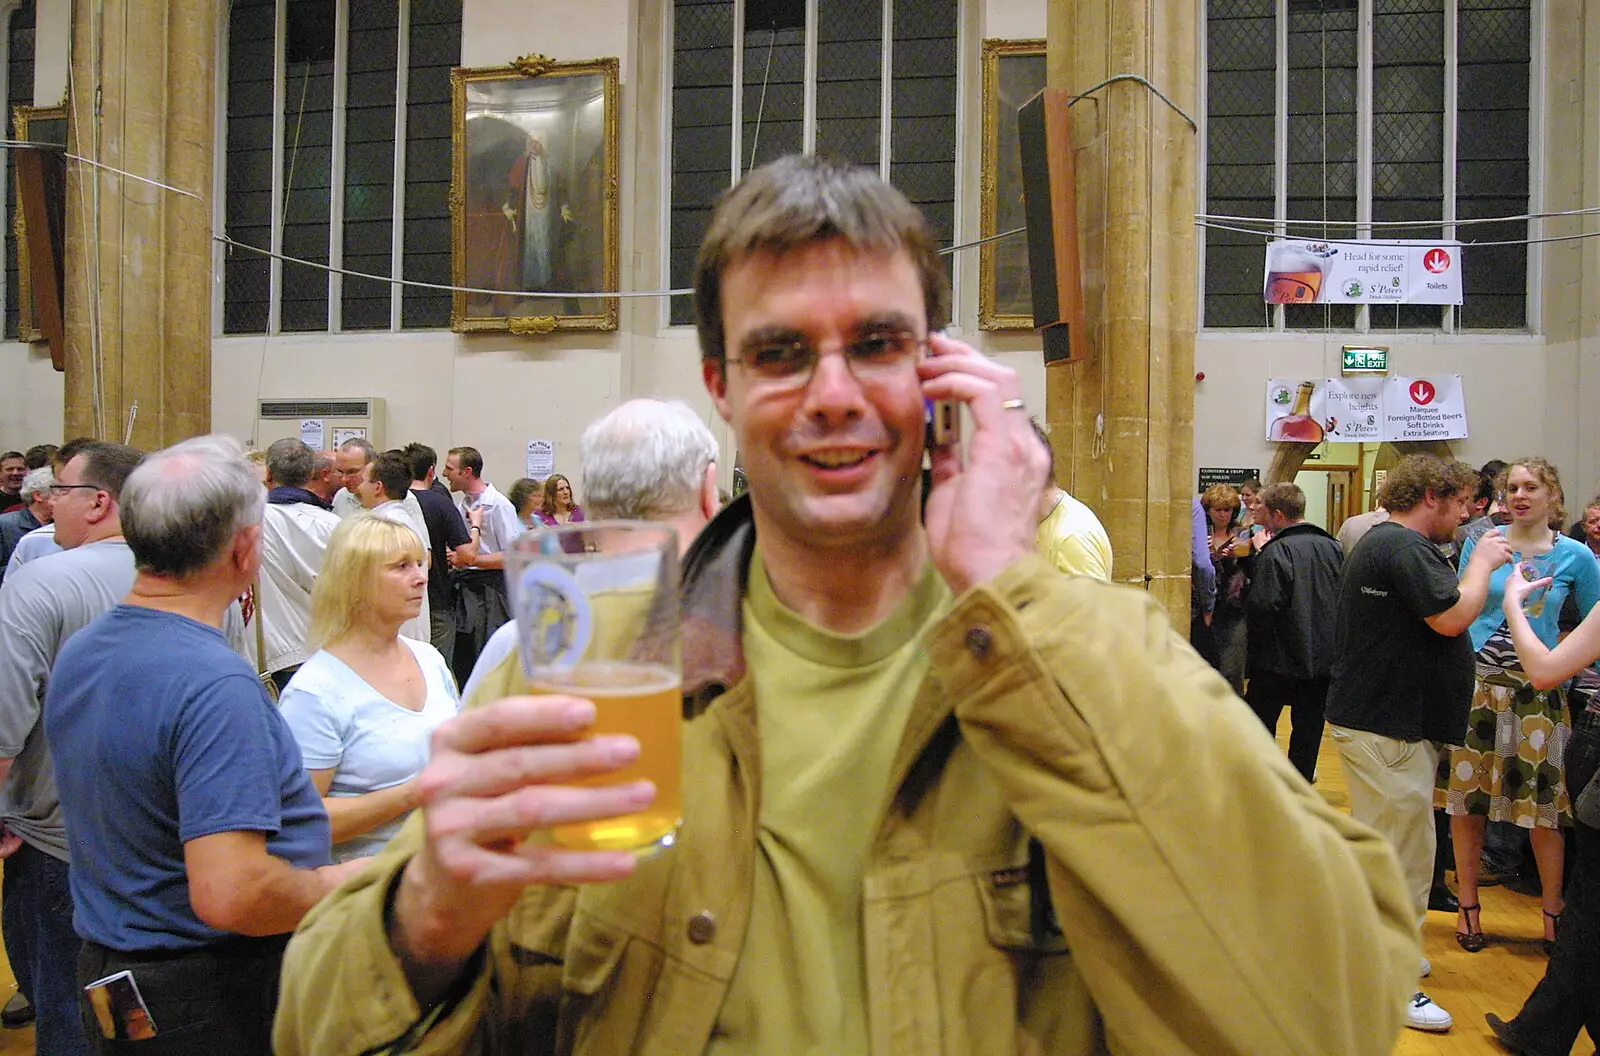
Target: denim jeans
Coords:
[[217, 1001], [43, 948]]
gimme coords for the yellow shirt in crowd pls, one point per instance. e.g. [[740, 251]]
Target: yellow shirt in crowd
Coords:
[[1072, 538], [830, 710]]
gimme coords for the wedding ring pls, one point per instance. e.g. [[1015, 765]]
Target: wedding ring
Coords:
[[1013, 405]]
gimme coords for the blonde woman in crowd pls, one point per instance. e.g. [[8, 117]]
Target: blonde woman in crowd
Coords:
[[363, 706], [1508, 767]]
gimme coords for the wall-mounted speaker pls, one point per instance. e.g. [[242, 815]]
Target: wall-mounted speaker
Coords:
[[1050, 201]]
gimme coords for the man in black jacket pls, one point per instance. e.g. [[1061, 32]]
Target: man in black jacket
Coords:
[[1290, 606]]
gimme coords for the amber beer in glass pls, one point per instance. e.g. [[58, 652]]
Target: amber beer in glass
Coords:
[[596, 606]]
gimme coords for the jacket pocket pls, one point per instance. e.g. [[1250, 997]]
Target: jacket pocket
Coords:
[[1017, 912]]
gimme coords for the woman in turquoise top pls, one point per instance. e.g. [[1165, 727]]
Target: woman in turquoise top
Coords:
[[1509, 766]]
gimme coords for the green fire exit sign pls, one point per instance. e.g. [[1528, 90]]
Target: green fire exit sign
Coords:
[[1365, 360]]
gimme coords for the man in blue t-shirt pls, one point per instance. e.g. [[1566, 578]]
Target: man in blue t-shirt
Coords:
[[198, 840]]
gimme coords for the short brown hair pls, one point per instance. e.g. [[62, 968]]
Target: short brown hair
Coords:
[[1415, 477], [1286, 498], [1547, 475], [1218, 496], [801, 200]]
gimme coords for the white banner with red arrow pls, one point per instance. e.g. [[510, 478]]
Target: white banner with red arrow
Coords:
[[1365, 410], [1424, 408], [1364, 271]]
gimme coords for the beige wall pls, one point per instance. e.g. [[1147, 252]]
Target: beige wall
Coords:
[[1524, 392]]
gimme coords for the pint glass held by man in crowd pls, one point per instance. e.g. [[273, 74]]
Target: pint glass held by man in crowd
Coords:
[[596, 607]]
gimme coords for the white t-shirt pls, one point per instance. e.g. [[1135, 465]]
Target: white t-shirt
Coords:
[[369, 741], [41, 542]]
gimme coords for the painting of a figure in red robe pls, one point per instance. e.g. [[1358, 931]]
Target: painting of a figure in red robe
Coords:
[[535, 226]]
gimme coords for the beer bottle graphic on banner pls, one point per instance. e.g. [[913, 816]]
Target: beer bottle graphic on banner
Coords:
[[1298, 426]]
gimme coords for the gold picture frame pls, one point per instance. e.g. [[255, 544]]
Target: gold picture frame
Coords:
[[39, 124], [1013, 72], [533, 195]]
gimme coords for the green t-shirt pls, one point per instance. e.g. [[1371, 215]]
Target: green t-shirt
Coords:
[[831, 710]]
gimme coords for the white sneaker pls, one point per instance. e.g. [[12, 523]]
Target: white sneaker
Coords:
[[1423, 1014], [1427, 968]]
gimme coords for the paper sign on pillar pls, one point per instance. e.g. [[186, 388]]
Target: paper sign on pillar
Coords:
[[1365, 410]]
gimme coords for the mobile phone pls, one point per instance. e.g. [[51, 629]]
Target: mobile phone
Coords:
[[119, 1008], [943, 422]]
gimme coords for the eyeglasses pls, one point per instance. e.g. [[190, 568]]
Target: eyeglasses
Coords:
[[58, 490], [790, 364]]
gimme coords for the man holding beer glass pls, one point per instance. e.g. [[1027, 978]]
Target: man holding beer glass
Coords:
[[919, 765]]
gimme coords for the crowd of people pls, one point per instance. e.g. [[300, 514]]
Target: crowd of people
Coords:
[[1411, 636], [195, 584], [946, 789]]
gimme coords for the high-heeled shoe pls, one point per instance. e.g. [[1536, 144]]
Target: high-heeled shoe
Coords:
[[1472, 939], [1555, 927]]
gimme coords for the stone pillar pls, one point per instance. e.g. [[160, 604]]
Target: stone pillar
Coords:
[[1123, 422], [138, 257]]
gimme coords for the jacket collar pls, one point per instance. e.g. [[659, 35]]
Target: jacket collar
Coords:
[[1303, 528], [285, 496], [715, 571]]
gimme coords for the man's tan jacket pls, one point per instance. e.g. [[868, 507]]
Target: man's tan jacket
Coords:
[[1208, 900]]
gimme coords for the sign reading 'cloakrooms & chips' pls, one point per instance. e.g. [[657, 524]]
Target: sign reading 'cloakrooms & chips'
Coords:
[[1368, 271], [1367, 409]]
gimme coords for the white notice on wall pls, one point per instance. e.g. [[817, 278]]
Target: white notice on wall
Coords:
[[354, 432], [541, 459], [312, 431]]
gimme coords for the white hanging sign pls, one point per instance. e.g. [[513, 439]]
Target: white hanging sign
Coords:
[[1365, 410], [1365, 271], [1433, 408], [312, 432]]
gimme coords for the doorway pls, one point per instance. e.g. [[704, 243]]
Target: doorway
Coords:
[[1333, 494]]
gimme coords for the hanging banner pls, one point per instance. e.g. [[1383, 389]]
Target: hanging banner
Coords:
[[1311, 410], [1365, 410], [1368, 271], [1424, 408], [1351, 410]]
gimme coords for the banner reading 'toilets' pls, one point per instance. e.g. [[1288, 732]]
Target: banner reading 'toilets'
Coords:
[[1370, 271]]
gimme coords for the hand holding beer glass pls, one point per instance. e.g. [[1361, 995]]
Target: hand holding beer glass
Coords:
[[1538, 572], [596, 607]]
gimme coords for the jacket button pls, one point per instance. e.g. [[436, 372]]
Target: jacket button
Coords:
[[978, 642], [702, 928]]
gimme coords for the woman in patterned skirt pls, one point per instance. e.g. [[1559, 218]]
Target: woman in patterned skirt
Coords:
[[1509, 766]]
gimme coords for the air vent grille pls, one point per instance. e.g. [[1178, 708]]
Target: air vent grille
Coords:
[[316, 409]]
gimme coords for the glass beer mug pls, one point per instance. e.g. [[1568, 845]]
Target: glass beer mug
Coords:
[[596, 606]]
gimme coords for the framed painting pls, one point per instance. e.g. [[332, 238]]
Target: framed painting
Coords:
[[35, 124], [533, 196], [1013, 72]]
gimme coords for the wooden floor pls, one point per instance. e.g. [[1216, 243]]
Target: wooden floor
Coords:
[[1464, 984]]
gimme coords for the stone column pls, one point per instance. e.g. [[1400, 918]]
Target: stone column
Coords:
[[1123, 422], [138, 257]]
